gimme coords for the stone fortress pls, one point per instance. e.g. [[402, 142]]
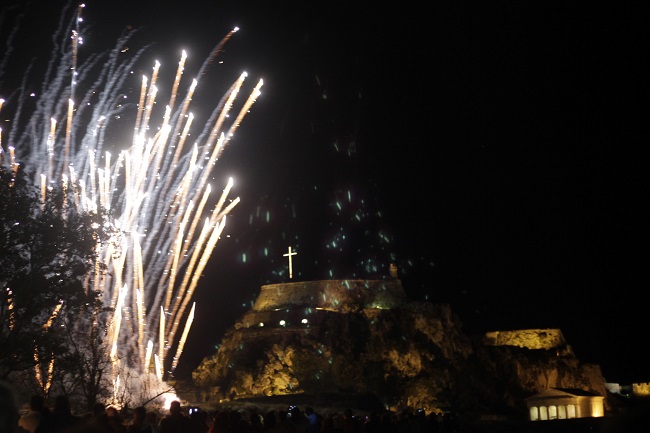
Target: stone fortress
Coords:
[[301, 305], [365, 338]]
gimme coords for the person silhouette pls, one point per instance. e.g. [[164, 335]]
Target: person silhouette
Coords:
[[175, 421], [61, 417], [37, 411], [9, 411]]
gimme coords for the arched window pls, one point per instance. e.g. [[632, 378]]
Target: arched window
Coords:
[[533, 413]]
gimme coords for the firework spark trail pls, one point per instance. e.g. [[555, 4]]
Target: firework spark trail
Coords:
[[155, 189]]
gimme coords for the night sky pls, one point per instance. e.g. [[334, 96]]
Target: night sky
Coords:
[[493, 151]]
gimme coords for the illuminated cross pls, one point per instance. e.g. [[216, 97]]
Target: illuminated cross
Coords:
[[289, 254]]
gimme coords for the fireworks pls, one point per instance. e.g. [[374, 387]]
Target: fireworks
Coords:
[[155, 186]]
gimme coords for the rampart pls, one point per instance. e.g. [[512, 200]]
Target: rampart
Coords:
[[298, 319], [641, 389], [331, 295], [526, 338]]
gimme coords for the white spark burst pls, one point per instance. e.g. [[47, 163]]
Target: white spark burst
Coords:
[[156, 188]]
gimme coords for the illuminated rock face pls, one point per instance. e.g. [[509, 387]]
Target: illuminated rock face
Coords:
[[356, 337]]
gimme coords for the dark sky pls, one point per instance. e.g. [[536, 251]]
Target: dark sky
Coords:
[[493, 151]]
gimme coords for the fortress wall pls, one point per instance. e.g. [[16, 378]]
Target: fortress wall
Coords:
[[300, 317], [337, 295], [641, 389], [526, 338]]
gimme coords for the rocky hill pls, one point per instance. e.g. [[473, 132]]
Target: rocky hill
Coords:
[[363, 342]]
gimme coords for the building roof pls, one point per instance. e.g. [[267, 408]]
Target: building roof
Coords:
[[561, 393]]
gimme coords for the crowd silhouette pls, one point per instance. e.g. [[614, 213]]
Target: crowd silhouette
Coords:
[[178, 419]]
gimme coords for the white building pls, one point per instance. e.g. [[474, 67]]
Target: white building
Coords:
[[562, 403]]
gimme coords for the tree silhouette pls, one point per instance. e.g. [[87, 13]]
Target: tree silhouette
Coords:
[[47, 264]]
